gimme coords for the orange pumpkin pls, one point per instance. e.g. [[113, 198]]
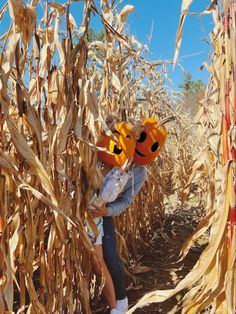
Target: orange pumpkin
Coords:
[[123, 149], [150, 142]]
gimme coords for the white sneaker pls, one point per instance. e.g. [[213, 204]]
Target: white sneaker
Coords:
[[115, 311], [122, 305]]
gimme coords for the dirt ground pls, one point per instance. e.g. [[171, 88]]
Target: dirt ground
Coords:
[[158, 266], [161, 255]]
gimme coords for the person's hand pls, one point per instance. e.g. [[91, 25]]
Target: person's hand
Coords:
[[99, 211]]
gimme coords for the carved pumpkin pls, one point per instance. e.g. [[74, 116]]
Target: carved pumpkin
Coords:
[[150, 142], [123, 149]]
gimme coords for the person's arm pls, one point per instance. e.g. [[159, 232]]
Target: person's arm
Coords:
[[133, 186], [124, 200]]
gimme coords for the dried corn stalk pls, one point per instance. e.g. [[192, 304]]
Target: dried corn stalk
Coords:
[[212, 282]]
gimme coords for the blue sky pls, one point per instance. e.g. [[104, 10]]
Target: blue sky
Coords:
[[161, 17]]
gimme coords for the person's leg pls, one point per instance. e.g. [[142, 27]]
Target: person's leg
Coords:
[[108, 289], [112, 258]]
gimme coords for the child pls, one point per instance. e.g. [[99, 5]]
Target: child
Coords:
[[113, 185]]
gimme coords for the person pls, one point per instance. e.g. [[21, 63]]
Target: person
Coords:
[[113, 168], [151, 138], [110, 253]]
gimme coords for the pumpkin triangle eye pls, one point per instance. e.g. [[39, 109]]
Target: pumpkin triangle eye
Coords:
[[116, 132], [155, 147], [142, 137]]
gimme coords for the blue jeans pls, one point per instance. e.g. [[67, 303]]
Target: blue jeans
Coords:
[[112, 258]]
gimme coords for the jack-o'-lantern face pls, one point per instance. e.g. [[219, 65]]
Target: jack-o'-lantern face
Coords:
[[150, 142], [123, 149]]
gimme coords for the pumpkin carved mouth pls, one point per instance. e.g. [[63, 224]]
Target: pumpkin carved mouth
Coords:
[[117, 151], [140, 154]]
